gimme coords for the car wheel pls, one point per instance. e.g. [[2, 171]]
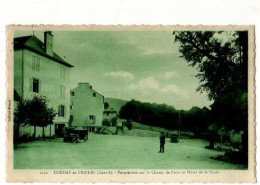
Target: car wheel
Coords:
[[74, 140]]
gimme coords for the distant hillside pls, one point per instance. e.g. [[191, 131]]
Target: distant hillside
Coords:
[[116, 104]]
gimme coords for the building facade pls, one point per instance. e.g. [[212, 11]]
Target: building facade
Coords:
[[109, 114], [87, 107], [39, 71]]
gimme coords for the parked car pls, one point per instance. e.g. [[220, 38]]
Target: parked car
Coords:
[[76, 134], [174, 138]]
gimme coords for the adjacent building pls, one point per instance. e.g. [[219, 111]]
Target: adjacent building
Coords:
[[38, 70], [87, 107], [109, 114]]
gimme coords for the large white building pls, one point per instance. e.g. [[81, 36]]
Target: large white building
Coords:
[[87, 107], [38, 70]]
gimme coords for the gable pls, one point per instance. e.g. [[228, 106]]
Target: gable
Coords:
[[33, 44]]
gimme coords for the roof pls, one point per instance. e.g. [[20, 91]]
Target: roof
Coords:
[[34, 44], [110, 110], [89, 88]]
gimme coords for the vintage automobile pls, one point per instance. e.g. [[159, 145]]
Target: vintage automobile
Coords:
[[76, 135], [174, 138]]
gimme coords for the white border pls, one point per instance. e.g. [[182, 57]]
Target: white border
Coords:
[[127, 12]]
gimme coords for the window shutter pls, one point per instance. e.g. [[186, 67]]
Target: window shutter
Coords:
[[38, 64], [39, 86], [59, 111], [32, 63], [30, 84], [60, 91]]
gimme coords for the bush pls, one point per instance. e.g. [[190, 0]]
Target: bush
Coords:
[[114, 121], [105, 122], [235, 157]]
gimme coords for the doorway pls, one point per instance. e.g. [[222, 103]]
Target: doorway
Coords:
[[59, 130]]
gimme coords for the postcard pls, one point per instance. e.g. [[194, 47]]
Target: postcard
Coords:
[[130, 103]]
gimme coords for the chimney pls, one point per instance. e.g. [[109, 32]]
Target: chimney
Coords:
[[84, 85], [48, 43]]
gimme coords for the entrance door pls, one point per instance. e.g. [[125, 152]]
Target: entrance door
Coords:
[[91, 129], [59, 130]]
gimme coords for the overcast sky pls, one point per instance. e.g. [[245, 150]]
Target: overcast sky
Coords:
[[141, 65]]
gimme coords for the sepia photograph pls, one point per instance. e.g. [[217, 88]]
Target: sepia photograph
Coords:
[[173, 98]]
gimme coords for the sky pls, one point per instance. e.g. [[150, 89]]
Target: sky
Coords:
[[140, 65]]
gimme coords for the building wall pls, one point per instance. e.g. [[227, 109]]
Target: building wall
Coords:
[[50, 78], [28, 131], [18, 63], [84, 105]]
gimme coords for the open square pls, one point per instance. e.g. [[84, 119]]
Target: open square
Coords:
[[117, 152]]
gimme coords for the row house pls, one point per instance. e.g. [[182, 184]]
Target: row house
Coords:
[[87, 106]]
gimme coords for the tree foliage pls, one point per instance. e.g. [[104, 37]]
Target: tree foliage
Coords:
[[34, 112], [165, 116], [106, 105], [110, 122], [221, 61], [106, 122], [195, 120]]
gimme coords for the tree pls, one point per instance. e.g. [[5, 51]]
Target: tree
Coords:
[[34, 112], [114, 121], [106, 105], [221, 59], [195, 120]]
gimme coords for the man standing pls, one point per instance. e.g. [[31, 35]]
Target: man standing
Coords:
[[162, 142]]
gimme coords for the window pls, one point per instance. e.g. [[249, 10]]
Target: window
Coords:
[[35, 85], [94, 94], [61, 110], [35, 63], [92, 117], [62, 91], [71, 107], [62, 72], [72, 93]]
